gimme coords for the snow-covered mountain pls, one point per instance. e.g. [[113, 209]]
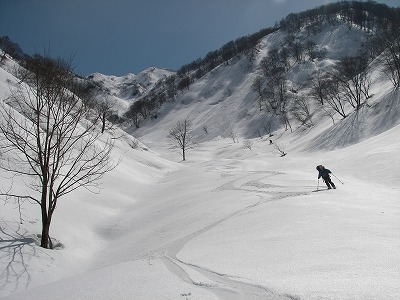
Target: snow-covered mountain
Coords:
[[236, 220], [130, 86]]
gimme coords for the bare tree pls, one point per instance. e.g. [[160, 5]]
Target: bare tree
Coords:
[[319, 87], [134, 112], [330, 93], [353, 79], [102, 106], [48, 139], [268, 127], [248, 144], [3, 57], [105, 109], [260, 132], [233, 136], [329, 112], [302, 112], [284, 117], [257, 86], [279, 150], [311, 50], [297, 50], [181, 136], [385, 44]]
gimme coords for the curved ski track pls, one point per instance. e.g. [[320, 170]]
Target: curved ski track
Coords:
[[226, 286]]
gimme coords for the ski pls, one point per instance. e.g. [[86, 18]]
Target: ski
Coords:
[[323, 189]]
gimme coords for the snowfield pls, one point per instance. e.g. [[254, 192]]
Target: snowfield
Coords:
[[229, 222]]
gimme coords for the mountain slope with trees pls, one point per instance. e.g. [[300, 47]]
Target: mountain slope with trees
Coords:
[[312, 66]]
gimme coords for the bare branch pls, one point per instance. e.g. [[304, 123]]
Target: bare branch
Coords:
[[181, 136]]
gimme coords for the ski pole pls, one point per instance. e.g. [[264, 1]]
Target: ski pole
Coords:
[[337, 178], [318, 185]]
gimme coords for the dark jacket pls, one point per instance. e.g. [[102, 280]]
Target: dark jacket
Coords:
[[324, 173]]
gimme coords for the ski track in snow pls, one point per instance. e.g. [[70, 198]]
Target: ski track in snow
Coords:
[[225, 286]]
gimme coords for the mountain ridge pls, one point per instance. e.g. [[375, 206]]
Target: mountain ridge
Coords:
[[129, 86]]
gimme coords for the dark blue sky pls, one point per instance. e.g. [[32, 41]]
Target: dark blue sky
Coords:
[[116, 37]]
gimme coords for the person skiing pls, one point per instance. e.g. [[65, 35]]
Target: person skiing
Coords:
[[324, 173]]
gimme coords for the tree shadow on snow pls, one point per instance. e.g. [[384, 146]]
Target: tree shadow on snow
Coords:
[[16, 252]]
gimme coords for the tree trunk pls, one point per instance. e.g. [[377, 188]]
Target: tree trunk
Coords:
[[45, 216], [45, 241], [103, 119]]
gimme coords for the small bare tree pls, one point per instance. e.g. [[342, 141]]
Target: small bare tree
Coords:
[[302, 112], [268, 127], [334, 98], [105, 108], [48, 139], [280, 150], [2, 57], [260, 132], [248, 144], [329, 112], [181, 136], [319, 87], [257, 86], [233, 136]]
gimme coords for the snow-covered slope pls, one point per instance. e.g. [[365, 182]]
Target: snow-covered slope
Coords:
[[230, 222], [224, 101]]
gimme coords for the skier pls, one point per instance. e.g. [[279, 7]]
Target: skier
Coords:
[[324, 173]]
